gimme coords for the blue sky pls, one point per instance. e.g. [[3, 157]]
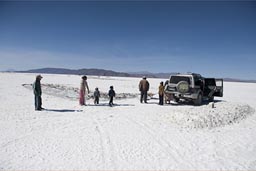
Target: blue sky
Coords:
[[213, 38]]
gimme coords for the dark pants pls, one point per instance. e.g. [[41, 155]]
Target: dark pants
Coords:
[[143, 96], [111, 100], [96, 100], [161, 99], [38, 102]]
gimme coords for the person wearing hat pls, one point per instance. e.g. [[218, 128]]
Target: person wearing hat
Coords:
[[83, 88], [38, 93], [143, 87], [161, 93]]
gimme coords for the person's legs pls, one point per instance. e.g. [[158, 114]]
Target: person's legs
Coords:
[[145, 96], [111, 101], [112, 98], [161, 99], [81, 98], [40, 102], [96, 101], [141, 96], [36, 103]]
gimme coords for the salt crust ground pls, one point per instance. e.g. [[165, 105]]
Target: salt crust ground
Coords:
[[205, 116], [129, 136]]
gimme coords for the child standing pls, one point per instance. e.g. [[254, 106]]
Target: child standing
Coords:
[[96, 95], [111, 94], [161, 93]]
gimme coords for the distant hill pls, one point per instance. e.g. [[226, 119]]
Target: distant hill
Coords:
[[102, 72], [97, 72]]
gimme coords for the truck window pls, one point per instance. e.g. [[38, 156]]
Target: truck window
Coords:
[[177, 79], [210, 82]]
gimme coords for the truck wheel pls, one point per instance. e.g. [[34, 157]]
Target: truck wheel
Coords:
[[176, 99], [199, 99]]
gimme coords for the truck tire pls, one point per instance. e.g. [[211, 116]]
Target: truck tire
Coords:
[[176, 99]]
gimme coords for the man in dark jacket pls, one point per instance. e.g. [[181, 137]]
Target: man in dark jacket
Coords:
[[38, 93], [144, 87]]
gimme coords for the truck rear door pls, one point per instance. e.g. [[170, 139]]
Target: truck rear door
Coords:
[[219, 88], [213, 87]]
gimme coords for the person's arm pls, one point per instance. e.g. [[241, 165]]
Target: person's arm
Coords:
[[34, 88], [140, 88], [86, 84], [39, 89]]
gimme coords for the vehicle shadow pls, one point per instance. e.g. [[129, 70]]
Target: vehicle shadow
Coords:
[[206, 102], [217, 101], [186, 103]]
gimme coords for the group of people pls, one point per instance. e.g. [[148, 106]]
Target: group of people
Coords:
[[144, 87], [82, 95], [84, 89]]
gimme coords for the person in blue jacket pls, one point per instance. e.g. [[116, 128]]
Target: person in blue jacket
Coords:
[[111, 94]]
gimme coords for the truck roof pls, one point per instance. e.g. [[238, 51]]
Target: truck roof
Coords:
[[187, 75]]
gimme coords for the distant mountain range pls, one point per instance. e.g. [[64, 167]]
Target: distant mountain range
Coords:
[[102, 72], [97, 72]]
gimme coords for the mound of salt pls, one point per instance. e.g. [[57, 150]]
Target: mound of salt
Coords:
[[206, 116]]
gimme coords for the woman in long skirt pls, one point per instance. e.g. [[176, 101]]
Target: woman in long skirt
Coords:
[[83, 88]]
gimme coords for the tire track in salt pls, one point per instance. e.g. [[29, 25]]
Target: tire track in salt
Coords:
[[31, 133], [80, 148], [106, 144], [178, 158]]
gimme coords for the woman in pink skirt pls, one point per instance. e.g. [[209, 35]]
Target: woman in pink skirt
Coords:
[[83, 88]]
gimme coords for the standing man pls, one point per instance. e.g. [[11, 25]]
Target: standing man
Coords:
[[144, 87], [38, 93]]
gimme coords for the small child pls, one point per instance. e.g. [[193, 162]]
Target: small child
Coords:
[[111, 94], [96, 95]]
